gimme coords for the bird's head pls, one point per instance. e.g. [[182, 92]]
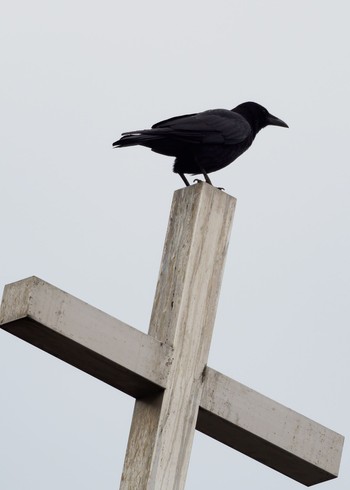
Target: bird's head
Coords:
[[257, 116]]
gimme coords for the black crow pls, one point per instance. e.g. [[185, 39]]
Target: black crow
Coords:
[[204, 142]]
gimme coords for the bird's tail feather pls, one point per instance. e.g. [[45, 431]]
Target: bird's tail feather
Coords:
[[132, 138]]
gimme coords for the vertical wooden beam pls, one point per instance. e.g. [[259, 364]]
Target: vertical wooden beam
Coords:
[[183, 316]]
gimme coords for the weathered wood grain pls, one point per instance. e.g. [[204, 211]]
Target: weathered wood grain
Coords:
[[183, 316], [85, 337], [166, 370], [268, 431]]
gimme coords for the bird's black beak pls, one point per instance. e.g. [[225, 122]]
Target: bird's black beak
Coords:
[[274, 121]]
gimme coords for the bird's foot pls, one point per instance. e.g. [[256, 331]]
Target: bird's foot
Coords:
[[196, 181]]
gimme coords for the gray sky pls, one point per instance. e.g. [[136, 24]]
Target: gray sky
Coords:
[[92, 220]]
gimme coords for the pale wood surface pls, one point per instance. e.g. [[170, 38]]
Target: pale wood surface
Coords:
[[85, 337], [268, 431], [229, 412], [183, 316], [165, 370]]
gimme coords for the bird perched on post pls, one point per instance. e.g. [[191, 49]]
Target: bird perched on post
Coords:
[[204, 142]]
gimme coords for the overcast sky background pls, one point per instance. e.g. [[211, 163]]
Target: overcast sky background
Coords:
[[92, 220]]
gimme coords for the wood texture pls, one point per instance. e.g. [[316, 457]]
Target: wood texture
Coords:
[[183, 316], [137, 364], [166, 370], [267, 431], [85, 337]]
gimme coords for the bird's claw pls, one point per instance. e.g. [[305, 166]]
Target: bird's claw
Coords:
[[196, 181]]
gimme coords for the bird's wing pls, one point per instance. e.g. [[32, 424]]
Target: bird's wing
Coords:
[[172, 120], [218, 126]]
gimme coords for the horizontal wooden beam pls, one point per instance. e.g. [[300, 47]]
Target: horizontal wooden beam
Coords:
[[268, 431], [138, 365], [85, 337]]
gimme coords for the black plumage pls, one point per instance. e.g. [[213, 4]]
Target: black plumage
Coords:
[[204, 142]]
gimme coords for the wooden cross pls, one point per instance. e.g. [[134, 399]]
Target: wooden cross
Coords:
[[166, 370]]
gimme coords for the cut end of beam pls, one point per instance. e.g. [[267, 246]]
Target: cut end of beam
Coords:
[[85, 337], [267, 431]]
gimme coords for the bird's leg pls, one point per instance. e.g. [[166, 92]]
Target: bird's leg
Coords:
[[205, 175], [202, 171], [184, 179], [207, 180]]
